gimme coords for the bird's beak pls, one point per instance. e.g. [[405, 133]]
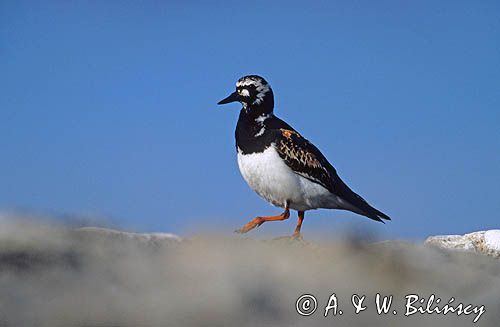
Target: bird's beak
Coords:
[[233, 97]]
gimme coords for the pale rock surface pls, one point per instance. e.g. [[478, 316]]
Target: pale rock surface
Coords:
[[54, 275], [143, 238], [483, 242]]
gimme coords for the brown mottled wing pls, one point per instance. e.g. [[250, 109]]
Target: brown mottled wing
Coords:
[[305, 159]]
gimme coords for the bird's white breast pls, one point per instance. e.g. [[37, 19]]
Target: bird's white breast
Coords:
[[268, 175]]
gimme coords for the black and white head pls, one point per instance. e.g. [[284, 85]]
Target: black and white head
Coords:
[[254, 93]]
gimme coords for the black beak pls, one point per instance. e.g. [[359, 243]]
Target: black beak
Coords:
[[233, 97]]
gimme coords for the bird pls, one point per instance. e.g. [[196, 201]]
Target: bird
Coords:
[[282, 166]]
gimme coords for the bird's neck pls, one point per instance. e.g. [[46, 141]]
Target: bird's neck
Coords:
[[253, 111], [254, 117], [251, 131]]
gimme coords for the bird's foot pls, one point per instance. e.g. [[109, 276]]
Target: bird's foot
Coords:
[[250, 225], [292, 239], [260, 220]]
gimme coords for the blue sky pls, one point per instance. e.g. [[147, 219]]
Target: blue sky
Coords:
[[108, 109]]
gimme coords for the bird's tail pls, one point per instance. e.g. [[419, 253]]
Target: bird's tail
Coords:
[[365, 209], [377, 215], [360, 206]]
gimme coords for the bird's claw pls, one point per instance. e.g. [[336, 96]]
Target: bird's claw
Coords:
[[244, 229], [249, 226]]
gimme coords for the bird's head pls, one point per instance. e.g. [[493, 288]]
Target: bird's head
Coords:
[[254, 93]]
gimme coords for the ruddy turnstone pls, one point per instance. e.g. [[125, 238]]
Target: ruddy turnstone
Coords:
[[281, 165]]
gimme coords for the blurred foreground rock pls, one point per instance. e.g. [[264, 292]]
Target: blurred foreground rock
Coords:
[[484, 242], [149, 239], [52, 275]]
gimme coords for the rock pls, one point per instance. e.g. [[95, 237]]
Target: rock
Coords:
[[55, 275], [140, 238], [483, 242]]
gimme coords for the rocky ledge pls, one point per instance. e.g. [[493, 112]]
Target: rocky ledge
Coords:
[[483, 242], [55, 275], [140, 238]]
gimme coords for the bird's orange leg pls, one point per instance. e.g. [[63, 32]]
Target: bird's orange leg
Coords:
[[296, 234], [260, 220]]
